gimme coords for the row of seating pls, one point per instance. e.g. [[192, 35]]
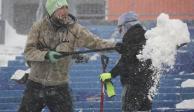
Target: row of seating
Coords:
[[85, 83]]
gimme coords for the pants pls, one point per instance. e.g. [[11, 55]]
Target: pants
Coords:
[[135, 99], [37, 96]]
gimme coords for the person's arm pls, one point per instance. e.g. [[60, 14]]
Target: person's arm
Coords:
[[117, 69], [31, 51], [88, 39], [114, 72]]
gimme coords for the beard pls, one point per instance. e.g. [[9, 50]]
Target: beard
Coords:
[[59, 19]]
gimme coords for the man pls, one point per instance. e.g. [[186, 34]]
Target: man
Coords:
[[136, 76], [47, 84]]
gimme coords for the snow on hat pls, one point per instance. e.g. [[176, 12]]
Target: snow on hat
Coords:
[[53, 5], [127, 17]]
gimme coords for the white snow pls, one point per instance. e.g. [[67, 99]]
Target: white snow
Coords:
[[188, 83], [14, 45], [12, 39], [162, 41], [94, 57], [186, 104], [19, 74], [181, 73], [115, 37], [8, 53]]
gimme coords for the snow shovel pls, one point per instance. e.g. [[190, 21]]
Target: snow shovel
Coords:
[[104, 61], [64, 54]]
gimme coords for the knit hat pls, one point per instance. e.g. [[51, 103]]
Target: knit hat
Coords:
[[53, 5], [127, 17]]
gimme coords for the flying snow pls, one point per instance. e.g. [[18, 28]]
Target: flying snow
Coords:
[[162, 41]]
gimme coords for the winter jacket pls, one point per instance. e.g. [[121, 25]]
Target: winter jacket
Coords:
[[45, 36], [131, 70]]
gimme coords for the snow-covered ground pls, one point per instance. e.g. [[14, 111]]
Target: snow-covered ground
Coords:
[[186, 104], [14, 45], [188, 83]]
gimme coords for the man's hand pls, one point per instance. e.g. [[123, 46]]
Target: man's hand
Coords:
[[105, 76], [53, 56]]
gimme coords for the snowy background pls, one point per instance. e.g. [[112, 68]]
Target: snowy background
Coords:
[[14, 45]]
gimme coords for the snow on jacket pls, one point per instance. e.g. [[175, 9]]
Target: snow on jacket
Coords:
[[44, 37]]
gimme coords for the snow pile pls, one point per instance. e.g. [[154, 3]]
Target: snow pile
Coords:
[[188, 83], [186, 104], [94, 57], [162, 41]]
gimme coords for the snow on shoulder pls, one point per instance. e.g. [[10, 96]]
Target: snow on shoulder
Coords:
[[162, 41]]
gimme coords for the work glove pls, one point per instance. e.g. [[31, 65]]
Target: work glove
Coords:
[[119, 47], [53, 56], [105, 76], [110, 89]]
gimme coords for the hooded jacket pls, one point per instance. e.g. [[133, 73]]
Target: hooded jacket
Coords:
[[46, 35]]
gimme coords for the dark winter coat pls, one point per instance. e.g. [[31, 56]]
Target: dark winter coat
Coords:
[[131, 70]]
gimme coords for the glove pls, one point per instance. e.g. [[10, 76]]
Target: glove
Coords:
[[120, 48], [105, 76], [53, 56], [110, 89]]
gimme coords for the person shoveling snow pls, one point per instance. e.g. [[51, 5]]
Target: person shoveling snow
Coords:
[[142, 56], [136, 76]]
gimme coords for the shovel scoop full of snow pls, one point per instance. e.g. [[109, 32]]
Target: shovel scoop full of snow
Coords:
[[163, 40]]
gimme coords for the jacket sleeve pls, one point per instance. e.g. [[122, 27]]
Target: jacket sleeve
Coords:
[[118, 68], [89, 40], [31, 51]]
